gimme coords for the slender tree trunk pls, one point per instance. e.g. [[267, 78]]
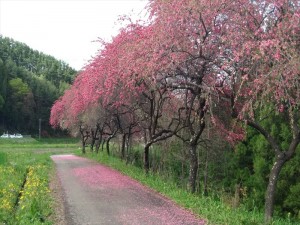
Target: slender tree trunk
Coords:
[[107, 146], [83, 148], [99, 140], [92, 144], [128, 147], [83, 144], [193, 167], [146, 158], [102, 146], [92, 141], [270, 193], [83, 139], [98, 143], [123, 147]]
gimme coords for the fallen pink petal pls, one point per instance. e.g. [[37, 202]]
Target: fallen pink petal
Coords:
[[97, 194]]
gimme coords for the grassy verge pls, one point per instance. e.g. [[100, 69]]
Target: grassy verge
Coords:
[[25, 166], [211, 208]]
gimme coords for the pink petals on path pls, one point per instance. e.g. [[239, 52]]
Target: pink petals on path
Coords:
[[129, 202], [67, 157], [99, 176]]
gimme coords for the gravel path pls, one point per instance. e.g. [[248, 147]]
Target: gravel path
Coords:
[[94, 194]]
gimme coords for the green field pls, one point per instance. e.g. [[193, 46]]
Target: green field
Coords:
[[25, 169]]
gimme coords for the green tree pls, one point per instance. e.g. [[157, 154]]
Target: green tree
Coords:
[[3, 79], [45, 78], [253, 160]]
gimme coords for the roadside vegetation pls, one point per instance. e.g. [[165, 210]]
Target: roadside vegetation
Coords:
[[25, 168], [216, 207]]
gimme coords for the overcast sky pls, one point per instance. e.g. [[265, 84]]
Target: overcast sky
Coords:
[[65, 29]]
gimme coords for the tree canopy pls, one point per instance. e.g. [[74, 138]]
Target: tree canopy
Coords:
[[232, 63]]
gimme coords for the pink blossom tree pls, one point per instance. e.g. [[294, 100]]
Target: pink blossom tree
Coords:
[[192, 61], [139, 87], [68, 111], [189, 35], [263, 45]]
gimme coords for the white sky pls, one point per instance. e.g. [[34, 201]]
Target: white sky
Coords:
[[65, 29]]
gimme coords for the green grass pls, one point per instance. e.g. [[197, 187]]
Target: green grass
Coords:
[[36, 144], [212, 208], [25, 167], [3, 158], [24, 162]]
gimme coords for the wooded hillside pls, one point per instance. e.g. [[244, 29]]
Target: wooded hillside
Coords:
[[30, 81]]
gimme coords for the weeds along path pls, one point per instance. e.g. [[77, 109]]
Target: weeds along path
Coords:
[[95, 194]]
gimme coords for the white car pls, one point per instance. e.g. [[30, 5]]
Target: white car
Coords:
[[5, 136], [18, 136]]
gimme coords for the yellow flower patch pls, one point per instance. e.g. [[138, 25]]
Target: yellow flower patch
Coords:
[[10, 185], [34, 196], [35, 187]]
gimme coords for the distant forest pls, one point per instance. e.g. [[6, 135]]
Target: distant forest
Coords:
[[30, 82]]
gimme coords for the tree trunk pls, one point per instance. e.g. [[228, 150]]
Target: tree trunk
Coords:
[[98, 143], [270, 193], [83, 145], [92, 144], [102, 145], [99, 140], [146, 158], [107, 146], [193, 167], [83, 139], [128, 147], [123, 147]]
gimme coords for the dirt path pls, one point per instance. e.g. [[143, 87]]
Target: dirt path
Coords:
[[95, 194]]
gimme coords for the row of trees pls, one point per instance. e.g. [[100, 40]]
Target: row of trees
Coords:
[[30, 82], [230, 63]]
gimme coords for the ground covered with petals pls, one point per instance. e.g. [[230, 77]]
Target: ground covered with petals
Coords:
[[96, 194]]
